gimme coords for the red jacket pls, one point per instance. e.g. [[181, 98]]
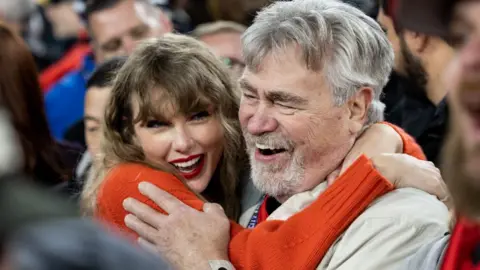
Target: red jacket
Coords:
[[464, 247]]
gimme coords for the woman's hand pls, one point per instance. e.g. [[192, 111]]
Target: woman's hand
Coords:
[[406, 171], [377, 139]]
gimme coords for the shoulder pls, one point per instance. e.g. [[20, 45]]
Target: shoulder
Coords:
[[409, 205], [73, 81], [131, 174], [394, 227]]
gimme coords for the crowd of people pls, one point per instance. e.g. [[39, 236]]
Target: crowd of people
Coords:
[[207, 134]]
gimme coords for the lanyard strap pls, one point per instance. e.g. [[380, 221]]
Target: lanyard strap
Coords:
[[254, 219]]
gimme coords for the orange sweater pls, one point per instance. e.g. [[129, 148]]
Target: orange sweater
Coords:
[[297, 243]]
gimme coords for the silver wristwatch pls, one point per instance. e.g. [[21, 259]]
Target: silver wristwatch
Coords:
[[221, 265]]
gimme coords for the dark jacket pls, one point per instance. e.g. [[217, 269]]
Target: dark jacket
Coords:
[[77, 244], [409, 108]]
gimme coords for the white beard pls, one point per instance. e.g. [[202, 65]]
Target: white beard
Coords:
[[276, 180]]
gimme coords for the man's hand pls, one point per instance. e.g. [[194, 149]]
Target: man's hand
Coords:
[[404, 171], [187, 238]]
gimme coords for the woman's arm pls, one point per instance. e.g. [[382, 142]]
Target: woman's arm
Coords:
[[323, 222]]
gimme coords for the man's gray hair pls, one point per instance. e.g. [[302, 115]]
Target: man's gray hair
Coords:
[[16, 11], [349, 47], [217, 27]]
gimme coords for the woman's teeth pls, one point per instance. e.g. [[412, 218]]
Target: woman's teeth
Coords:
[[188, 165]]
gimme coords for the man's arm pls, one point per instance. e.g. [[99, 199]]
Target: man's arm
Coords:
[[390, 231]]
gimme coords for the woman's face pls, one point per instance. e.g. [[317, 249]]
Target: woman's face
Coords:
[[192, 143]]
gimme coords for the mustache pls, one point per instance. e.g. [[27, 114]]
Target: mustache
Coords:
[[274, 140]]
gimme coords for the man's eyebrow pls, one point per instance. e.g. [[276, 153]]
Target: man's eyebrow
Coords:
[[91, 118], [247, 86], [284, 97]]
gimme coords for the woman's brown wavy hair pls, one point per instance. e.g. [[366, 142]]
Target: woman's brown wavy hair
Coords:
[[21, 95], [192, 79]]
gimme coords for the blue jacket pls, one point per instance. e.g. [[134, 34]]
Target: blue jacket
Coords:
[[64, 101]]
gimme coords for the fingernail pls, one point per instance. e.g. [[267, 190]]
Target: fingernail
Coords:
[[142, 187], [128, 219], [126, 203]]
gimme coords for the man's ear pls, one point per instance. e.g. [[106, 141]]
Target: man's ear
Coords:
[[358, 106], [416, 42]]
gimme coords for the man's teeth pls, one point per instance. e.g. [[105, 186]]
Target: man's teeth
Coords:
[[187, 164], [264, 147]]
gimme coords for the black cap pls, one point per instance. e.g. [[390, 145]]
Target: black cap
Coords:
[[431, 17]]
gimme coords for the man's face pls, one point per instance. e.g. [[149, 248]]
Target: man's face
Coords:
[[228, 46], [463, 80], [408, 65], [294, 133], [96, 101], [117, 30]]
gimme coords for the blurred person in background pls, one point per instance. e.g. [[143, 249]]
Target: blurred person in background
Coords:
[[59, 30], [16, 13], [39, 230], [415, 96], [47, 161], [239, 11], [99, 87], [224, 39], [115, 27], [458, 23]]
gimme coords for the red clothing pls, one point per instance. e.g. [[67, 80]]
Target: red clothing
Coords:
[[71, 61], [297, 243], [300, 242], [464, 242]]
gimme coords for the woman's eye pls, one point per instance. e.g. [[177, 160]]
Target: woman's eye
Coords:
[[155, 124], [200, 116]]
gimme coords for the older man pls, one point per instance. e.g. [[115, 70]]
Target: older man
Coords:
[[312, 83]]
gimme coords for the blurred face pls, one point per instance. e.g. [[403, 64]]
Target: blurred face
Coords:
[[192, 143], [96, 101], [463, 80], [407, 64], [387, 25], [116, 31], [228, 46], [295, 136]]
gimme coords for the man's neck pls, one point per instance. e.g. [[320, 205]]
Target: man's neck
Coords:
[[436, 92], [440, 59]]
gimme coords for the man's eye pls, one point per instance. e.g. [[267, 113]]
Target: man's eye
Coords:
[[457, 40], [139, 32], [92, 129], [248, 96], [112, 45]]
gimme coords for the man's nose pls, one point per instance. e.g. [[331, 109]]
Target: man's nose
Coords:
[[262, 121], [128, 44]]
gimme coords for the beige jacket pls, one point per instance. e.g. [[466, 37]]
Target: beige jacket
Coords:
[[390, 230]]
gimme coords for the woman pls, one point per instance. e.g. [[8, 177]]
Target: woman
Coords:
[[195, 134], [172, 116], [49, 162]]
